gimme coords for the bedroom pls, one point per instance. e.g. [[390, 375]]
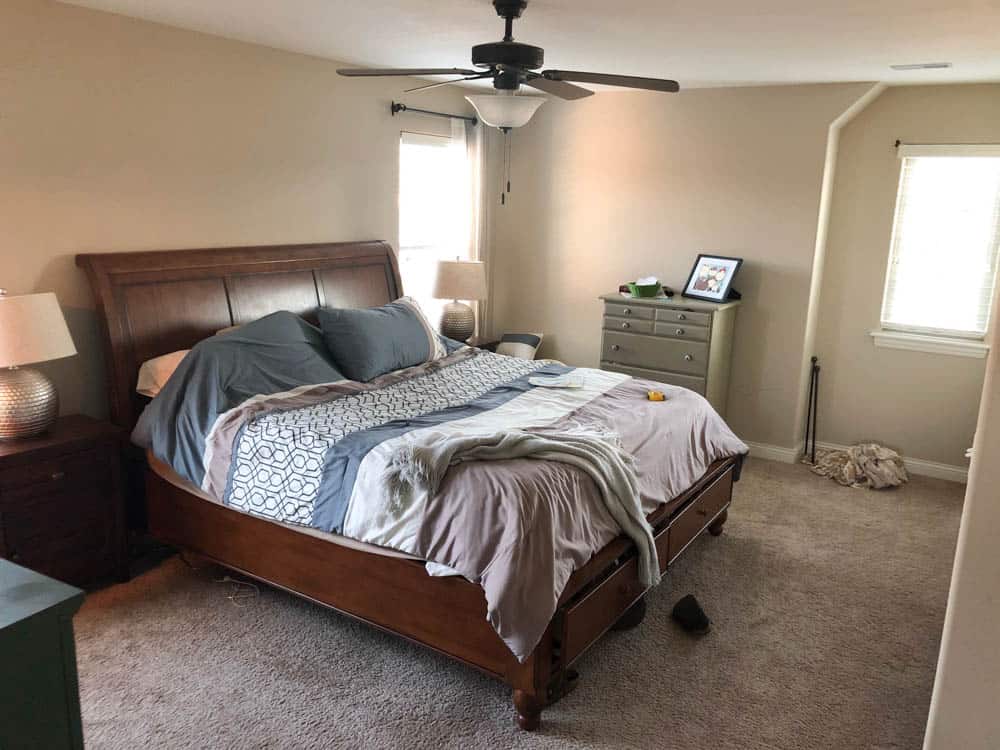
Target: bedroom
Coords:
[[837, 615]]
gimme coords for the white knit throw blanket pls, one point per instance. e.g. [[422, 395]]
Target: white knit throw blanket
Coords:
[[422, 466]]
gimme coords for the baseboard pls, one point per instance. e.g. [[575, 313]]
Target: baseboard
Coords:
[[919, 466], [913, 465], [775, 452]]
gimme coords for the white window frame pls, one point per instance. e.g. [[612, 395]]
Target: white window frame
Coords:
[[911, 337]]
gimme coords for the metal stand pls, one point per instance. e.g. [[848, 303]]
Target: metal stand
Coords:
[[811, 413]]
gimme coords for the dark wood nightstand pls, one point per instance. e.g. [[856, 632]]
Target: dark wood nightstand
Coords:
[[484, 342], [61, 509]]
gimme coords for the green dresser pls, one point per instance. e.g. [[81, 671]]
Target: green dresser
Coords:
[[39, 697]]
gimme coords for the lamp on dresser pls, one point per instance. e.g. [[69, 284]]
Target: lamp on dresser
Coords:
[[32, 329], [458, 280]]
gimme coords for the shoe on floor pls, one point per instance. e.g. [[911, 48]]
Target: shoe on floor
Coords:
[[690, 616]]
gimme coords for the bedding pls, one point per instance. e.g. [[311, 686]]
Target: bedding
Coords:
[[154, 373], [312, 449], [372, 342]]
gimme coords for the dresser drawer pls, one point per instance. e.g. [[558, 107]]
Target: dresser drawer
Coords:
[[681, 331], [70, 470], [652, 353], [626, 324], [628, 311], [669, 315], [691, 382], [695, 517]]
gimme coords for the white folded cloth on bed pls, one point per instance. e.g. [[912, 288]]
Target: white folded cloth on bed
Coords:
[[422, 466]]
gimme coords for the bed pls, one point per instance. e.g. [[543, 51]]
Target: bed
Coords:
[[153, 303]]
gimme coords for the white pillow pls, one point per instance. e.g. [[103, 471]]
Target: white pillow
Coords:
[[155, 373], [520, 345]]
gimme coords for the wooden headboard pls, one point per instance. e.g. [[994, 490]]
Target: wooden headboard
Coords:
[[153, 303]]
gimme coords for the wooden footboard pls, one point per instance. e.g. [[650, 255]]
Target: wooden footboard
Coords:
[[445, 614]]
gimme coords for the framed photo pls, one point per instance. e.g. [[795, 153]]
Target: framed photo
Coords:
[[712, 277]]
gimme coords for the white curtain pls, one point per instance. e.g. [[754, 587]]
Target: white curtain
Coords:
[[475, 140]]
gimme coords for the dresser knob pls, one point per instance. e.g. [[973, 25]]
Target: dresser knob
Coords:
[[627, 311], [680, 331], [15, 556], [681, 316], [58, 476], [626, 324], [615, 347], [688, 357]]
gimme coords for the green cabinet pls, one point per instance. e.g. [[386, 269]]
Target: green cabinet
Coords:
[[39, 696]]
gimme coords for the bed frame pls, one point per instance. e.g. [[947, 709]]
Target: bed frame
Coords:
[[152, 303]]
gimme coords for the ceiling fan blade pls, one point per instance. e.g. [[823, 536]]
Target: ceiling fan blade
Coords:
[[607, 79], [360, 72], [558, 88], [445, 83]]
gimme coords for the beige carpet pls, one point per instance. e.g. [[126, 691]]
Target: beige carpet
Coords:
[[827, 604]]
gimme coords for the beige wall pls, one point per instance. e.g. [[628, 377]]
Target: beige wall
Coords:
[[922, 404], [118, 134], [624, 184], [967, 687]]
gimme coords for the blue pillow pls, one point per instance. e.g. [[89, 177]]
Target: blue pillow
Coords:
[[367, 343]]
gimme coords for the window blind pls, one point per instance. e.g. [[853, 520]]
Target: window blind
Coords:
[[945, 238]]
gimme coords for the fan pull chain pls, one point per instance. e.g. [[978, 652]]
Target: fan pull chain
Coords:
[[505, 173]]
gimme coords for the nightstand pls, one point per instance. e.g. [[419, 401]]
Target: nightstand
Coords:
[[61, 509], [483, 342]]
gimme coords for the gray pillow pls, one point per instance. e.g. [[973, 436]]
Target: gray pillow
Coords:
[[367, 343]]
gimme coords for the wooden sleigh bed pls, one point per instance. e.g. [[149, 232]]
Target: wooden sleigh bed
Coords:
[[152, 303]]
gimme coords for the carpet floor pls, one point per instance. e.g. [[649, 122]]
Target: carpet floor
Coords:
[[827, 605]]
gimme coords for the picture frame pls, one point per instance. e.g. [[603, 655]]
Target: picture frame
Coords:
[[711, 277]]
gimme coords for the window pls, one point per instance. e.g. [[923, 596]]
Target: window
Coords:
[[943, 255], [435, 210]]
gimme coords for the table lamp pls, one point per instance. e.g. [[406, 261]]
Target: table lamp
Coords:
[[459, 279], [32, 329]]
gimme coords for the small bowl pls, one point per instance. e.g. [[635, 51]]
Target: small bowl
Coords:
[[644, 290]]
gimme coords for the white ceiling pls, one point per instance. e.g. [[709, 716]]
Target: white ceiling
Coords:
[[697, 42]]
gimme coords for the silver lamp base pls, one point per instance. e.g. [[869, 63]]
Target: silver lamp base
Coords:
[[29, 403], [458, 321]]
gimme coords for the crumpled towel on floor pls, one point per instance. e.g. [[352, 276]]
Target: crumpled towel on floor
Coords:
[[864, 465]]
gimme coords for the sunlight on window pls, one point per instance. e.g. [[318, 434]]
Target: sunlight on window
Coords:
[[435, 212], [942, 266]]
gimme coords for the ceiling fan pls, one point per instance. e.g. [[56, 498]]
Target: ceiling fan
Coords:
[[514, 64]]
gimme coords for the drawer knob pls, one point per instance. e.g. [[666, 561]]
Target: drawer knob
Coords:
[[688, 357], [627, 311], [15, 556], [58, 476], [702, 511], [680, 331], [626, 324], [615, 347], [681, 316]]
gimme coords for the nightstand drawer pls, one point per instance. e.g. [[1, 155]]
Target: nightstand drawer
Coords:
[[70, 470], [67, 534]]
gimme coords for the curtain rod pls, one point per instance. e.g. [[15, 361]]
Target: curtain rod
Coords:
[[400, 107]]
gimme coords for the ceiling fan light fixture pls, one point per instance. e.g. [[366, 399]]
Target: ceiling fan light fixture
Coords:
[[504, 110]]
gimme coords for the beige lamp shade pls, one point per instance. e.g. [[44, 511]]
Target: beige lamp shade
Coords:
[[32, 329], [460, 279]]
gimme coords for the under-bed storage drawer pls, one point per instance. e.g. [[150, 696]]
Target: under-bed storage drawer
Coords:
[[599, 609], [695, 517]]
